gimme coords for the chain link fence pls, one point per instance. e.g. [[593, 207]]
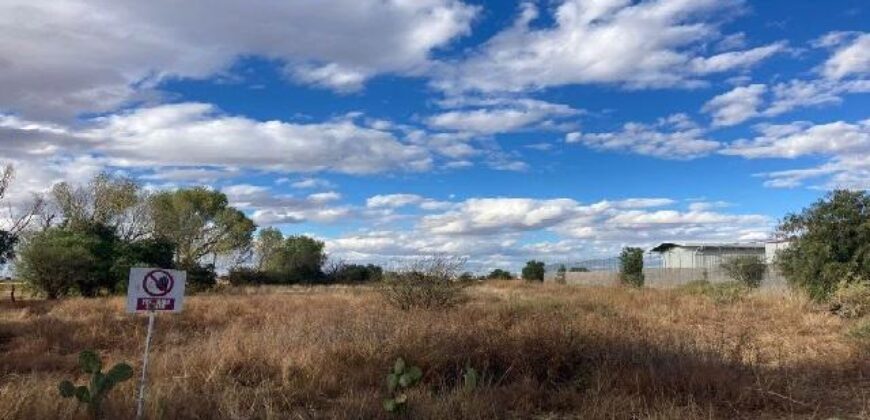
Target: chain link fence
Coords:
[[663, 271]]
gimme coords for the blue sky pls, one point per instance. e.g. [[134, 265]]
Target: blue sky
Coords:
[[500, 131]]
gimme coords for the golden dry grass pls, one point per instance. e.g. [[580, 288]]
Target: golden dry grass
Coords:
[[545, 351]]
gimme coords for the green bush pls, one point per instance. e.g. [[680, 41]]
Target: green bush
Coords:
[[247, 276], [748, 270], [200, 277], [294, 259], [631, 267], [355, 273], [140, 253], [55, 262], [467, 277], [534, 271], [851, 299], [99, 385], [87, 259], [499, 274], [829, 242]]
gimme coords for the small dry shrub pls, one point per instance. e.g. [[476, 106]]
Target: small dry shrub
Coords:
[[851, 299], [428, 283], [251, 371]]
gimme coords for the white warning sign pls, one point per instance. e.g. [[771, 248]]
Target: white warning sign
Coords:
[[155, 289]]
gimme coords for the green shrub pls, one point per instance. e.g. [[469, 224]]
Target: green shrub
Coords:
[[499, 274], [401, 377], [56, 261], [200, 277], [99, 385], [851, 299], [87, 259], [631, 267], [294, 259], [355, 274], [467, 277], [829, 242], [140, 253], [534, 271], [428, 284], [748, 270]]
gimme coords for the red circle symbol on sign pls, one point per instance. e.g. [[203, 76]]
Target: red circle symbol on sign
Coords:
[[158, 283]]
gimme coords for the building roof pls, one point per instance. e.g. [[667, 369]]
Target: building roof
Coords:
[[665, 246]]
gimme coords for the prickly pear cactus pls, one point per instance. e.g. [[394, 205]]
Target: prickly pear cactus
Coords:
[[92, 395], [401, 377]]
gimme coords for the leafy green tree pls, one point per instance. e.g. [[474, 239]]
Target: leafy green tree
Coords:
[[295, 259], [534, 271], [578, 270], [499, 274], [104, 245], [268, 247], [631, 266], [829, 243], [301, 259], [56, 261], [148, 252], [110, 201], [199, 222]]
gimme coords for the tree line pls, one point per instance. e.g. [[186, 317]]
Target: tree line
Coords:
[[83, 240]]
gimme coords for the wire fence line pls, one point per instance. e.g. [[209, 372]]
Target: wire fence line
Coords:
[[658, 272], [604, 264]]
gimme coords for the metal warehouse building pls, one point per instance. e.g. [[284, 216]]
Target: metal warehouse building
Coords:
[[705, 255]]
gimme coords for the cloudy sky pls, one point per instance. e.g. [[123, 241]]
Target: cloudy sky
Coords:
[[498, 130]]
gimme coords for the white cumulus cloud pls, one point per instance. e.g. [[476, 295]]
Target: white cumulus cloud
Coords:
[[62, 58], [675, 137], [650, 43]]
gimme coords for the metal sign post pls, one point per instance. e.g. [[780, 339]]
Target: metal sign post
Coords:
[[153, 290], [141, 401]]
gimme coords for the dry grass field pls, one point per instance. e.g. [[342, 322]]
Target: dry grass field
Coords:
[[544, 351]]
